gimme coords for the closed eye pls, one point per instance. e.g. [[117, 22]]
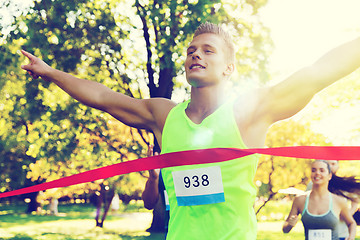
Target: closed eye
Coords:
[[191, 50]]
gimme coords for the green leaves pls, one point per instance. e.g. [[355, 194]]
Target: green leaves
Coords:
[[275, 173], [133, 47]]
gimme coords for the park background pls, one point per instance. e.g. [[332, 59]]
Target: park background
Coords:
[[138, 48]]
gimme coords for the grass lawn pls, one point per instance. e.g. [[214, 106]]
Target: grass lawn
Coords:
[[77, 222]]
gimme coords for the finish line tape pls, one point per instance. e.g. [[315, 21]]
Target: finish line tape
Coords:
[[192, 157]]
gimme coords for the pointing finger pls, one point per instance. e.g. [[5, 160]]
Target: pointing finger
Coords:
[[25, 53], [31, 57]]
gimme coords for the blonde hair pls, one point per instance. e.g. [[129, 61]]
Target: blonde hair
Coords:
[[216, 29]]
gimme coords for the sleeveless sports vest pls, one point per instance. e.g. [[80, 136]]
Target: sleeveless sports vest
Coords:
[[209, 201], [314, 225]]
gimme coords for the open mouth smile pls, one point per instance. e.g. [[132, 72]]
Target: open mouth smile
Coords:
[[196, 66]]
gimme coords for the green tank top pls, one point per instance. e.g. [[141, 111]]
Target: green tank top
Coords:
[[209, 201]]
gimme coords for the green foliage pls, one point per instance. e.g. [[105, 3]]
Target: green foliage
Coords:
[[339, 117], [167, 31], [134, 47], [277, 173]]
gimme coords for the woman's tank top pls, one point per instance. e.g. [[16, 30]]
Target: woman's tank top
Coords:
[[320, 227]]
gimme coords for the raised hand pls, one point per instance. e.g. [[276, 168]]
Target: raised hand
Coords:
[[36, 67]]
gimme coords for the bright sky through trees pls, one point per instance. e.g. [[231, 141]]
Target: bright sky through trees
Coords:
[[302, 31]]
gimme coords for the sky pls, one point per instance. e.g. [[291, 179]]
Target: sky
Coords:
[[302, 31]]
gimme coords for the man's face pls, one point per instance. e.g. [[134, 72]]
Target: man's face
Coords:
[[334, 165], [206, 63]]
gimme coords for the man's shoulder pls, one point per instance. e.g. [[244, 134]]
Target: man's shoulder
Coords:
[[159, 103]]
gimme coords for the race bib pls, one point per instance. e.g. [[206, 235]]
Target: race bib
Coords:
[[166, 197], [319, 234], [199, 186]]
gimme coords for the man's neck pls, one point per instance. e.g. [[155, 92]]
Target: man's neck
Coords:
[[205, 101]]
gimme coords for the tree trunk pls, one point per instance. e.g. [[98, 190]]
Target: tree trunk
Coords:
[[33, 204], [103, 201]]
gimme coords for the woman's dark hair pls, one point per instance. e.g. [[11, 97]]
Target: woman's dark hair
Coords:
[[345, 186]]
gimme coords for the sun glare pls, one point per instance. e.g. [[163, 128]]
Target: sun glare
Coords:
[[302, 31], [203, 137]]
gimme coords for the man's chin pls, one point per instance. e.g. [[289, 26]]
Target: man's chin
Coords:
[[194, 82], [198, 84]]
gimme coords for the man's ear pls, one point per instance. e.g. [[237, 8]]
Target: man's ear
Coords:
[[229, 69]]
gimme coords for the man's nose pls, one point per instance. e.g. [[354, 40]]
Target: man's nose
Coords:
[[196, 55]]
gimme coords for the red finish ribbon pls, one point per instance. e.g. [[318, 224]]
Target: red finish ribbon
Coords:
[[192, 157]]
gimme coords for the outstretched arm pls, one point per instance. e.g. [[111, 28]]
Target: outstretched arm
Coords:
[[148, 113], [290, 96]]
